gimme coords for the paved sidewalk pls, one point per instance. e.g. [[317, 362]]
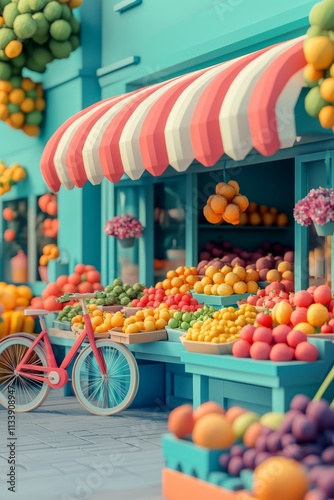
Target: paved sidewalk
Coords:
[[65, 453]]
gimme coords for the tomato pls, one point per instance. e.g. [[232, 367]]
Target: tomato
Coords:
[[264, 319]]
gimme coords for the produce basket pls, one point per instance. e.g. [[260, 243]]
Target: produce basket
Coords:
[[110, 308], [62, 325], [116, 335], [77, 332], [174, 334], [218, 301], [130, 311], [206, 347]]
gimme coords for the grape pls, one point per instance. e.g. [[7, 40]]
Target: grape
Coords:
[[294, 451], [249, 458], [261, 443], [237, 451], [328, 437], [328, 456], [274, 442], [303, 428], [319, 413], [315, 495], [312, 449], [300, 403], [312, 460], [261, 457], [224, 460], [235, 466], [325, 481], [286, 425], [288, 439]]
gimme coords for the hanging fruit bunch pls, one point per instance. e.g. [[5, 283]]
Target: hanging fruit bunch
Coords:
[[33, 33], [22, 104], [48, 205], [226, 205], [50, 251], [9, 176], [319, 71]]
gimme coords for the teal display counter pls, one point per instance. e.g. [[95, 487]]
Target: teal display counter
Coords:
[[260, 386]]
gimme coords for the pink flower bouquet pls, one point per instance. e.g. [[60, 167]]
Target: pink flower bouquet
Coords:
[[316, 207], [124, 226]]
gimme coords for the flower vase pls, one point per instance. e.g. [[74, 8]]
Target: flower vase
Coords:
[[324, 230], [127, 242]]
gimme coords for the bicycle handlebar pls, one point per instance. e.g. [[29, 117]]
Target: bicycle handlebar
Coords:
[[69, 296]]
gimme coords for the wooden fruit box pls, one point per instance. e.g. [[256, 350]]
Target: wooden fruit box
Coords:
[[62, 325], [130, 311], [179, 486], [206, 347], [112, 309], [174, 334], [116, 335]]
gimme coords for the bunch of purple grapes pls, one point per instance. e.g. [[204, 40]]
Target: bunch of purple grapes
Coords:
[[306, 435]]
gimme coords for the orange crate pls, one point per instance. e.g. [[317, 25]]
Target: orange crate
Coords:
[[179, 486]]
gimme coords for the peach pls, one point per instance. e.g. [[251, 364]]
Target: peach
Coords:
[[181, 421]]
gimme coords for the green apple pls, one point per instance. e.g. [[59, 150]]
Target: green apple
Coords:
[[241, 423], [185, 326], [186, 317], [272, 420], [177, 315], [173, 323]]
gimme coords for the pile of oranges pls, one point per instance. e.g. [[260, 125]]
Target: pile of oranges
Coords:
[[226, 205], [181, 280], [102, 321], [50, 251], [224, 326], [228, 281], [148, 320]]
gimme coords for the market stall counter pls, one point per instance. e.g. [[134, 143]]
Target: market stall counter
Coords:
[[260, 386]]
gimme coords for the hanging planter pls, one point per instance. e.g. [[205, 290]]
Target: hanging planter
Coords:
[[324, 230], [127, 242], [317, 208], [125, 228]]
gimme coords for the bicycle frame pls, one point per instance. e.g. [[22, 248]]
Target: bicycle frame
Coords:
[[56, 376]]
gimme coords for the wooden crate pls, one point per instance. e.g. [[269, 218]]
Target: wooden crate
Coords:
[[116, 335]]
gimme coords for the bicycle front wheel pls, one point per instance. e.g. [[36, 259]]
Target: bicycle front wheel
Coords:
[[110, 394], [27, 393]]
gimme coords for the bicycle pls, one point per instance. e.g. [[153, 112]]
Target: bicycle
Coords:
[[105, 375]]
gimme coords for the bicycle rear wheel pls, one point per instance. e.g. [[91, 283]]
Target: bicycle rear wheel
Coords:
[[28, 394], [111, 394]]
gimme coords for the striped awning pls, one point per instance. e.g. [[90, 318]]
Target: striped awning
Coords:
[[231, 108]]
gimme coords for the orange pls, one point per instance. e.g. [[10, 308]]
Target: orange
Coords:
[[231, 278], [27, 105], [282, 220], [241, 201], [191, 280], [40, 104], [184, 288], [226, 190], [214, 289], [313, 74], [240, 271], [13, 49], [160, 324], [176, 282], [305, 328], [254, 219], [27, 84], [235, 185], [17, 96], [218, 278], [133, 328], [210, 215], [3, 97], [24, 291], [210, 271], [31, 130], [207, 289], [251, 207], [252, 275], [232, 213], [149, 326], [288, 275], [3, 112], [171, 274], [319, 51], [317, 314], [252, 286], [218, 204], [327, 89], [226, 269], [240, 287], [166, 284], [174, 290], [273, 275], [326, 115], [158, 285], [268, 219], [206, 281], [17, 119], [224, 289], [117, 320], [96, 320], [198, 287], [97, 312], [179, 270], [284, 266]]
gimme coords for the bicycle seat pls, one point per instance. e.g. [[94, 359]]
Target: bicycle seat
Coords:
[[36, 312]]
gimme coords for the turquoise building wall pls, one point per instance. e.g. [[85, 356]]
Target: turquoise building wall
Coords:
[[126, 45]]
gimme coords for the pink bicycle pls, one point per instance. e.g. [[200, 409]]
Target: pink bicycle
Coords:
[[105, 375]]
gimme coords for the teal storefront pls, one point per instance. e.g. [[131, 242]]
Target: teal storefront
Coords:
[[167, 41]]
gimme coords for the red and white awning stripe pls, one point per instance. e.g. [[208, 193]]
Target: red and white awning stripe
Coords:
[[229, 108]]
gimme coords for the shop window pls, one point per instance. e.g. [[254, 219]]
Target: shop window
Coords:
[[319, 259], [15, 241], [169, 227], [127, 256], [46, 233]]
